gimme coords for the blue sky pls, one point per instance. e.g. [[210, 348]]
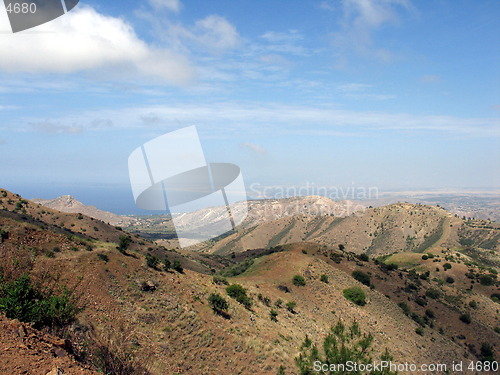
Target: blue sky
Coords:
[[396, 94]]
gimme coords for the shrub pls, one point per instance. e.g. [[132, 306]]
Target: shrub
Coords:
[[419, 331], [278, 303], [362, 277], [450, 280], [178, 266], [283, 288], [433, 293], [466, 318], [237, 269], [425, 257], [446, 266], [355, 294], [290, 306], [3, 235], [219, 280], [342, 345], [430, 313], [124, 243], [495, 297], [20, 299], [420, 301], [273, 315], [166, 264], [324, 278], [473, 304], [103, 257], [404, 307], [239, 293], [152, 261], [218, 303], [486, 280], [299, 280], [363, 257]]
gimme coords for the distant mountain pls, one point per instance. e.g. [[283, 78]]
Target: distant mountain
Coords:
[[67, 203]]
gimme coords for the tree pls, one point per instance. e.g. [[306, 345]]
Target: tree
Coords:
[[152, 261], [340, 346], [178, 266], [290, 306], [218, 303], [166, 264], [299, 280], [362, 277], [239, 293], [124, 243]]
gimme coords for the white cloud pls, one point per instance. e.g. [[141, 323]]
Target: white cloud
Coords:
[[362, 18], [224, 119], [85, 40], [254, 148], [216, 32], [54, 128], [173, 5]]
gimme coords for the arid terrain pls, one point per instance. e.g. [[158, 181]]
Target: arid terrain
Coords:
[[429, 281]]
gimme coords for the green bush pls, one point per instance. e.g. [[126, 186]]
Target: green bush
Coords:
[[103, 257], [166, 264], [355, 294], [152, 261], [299, 280], [342, 345], [237, 269], [290, 306], [178, 266], [324, 278], [239, 293], [274, 315], [486, 280], [3, 235], [446, 266], [218, 303], [124, 243], [20, 299], [404, 307], [362, 277], [219, 280], [450, 280], [466, 318], [433, 293]]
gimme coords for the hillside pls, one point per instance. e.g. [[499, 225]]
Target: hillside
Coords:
[[69, 204], [159, 321], [383, 230]]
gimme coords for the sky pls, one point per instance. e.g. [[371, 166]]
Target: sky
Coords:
[[392, 94]]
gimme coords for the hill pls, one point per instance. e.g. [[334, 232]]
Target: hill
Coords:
[[69, 204], [138, 316]]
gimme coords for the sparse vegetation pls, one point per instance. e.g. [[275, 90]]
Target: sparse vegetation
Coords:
[[219, 280], [237, 269]]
